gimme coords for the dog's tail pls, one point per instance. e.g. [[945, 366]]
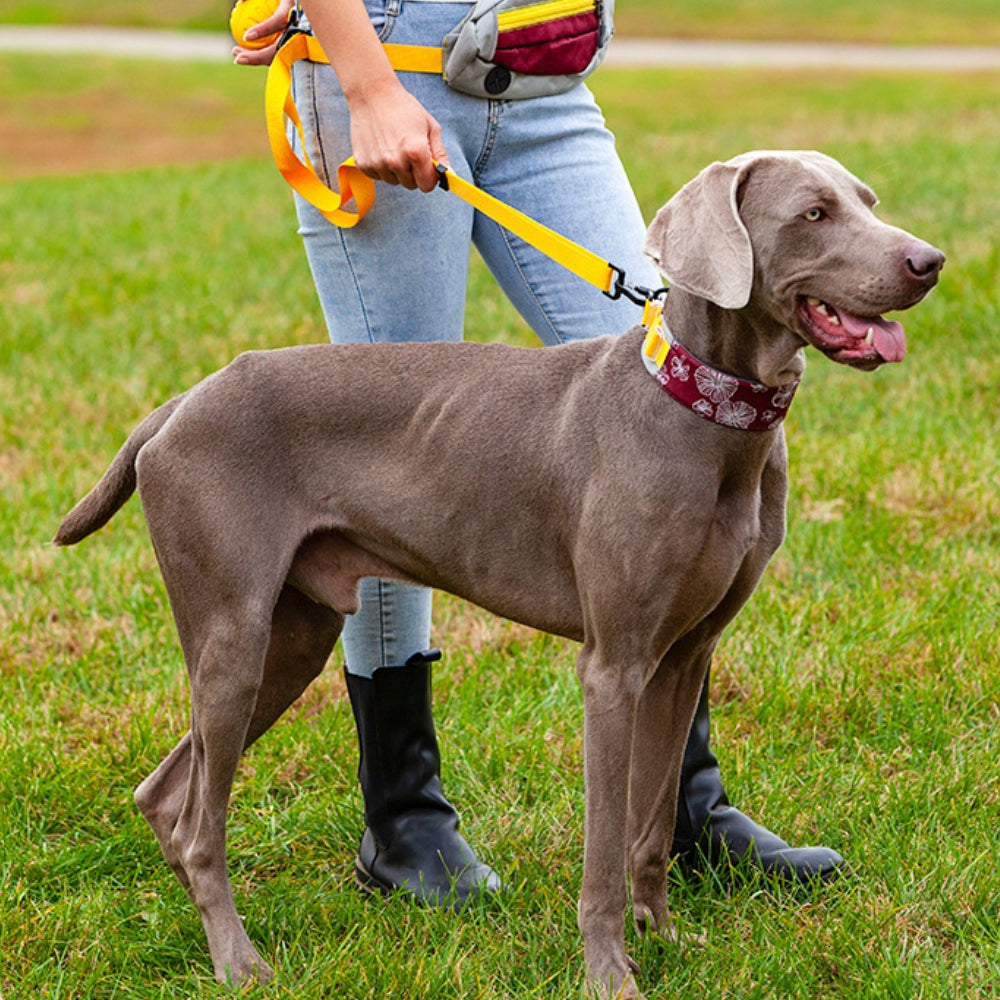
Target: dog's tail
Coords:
[[116, 485]]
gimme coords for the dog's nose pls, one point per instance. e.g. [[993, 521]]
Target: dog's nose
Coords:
[[924, 262]]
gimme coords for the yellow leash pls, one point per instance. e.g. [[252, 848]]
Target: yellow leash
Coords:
[[578, 259], [301, 176]]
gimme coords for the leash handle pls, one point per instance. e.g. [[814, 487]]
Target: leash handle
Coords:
[[301, 176], [279, 106]]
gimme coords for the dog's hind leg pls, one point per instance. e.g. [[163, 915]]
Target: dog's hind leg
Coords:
[[302, 636], [226, 656]]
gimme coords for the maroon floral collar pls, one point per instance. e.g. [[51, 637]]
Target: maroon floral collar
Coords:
[[714, 395]]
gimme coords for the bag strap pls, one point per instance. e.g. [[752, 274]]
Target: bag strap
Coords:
[[301, 176]]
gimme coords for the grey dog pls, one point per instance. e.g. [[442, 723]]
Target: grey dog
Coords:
[[562, 488]]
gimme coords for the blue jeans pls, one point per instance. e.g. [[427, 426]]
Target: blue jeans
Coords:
[[400, 275]]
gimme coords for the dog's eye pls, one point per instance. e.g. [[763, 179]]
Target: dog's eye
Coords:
[[815, 215]]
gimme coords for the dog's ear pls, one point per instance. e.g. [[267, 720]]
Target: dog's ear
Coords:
[[698, 241]]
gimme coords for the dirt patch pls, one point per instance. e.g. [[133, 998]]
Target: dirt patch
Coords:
[[107, 115]]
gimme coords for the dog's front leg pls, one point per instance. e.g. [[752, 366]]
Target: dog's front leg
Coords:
[[609, 714], [663, 720]]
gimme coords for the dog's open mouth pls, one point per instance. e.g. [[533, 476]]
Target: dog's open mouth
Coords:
[[862, 341]]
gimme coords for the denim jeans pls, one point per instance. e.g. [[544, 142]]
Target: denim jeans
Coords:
[[400, 275]]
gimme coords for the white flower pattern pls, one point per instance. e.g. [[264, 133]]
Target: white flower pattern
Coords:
[[735, 414], [782, 399], [678, 369], [715, 385], [724, 399]]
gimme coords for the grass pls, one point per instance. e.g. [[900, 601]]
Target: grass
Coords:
[[206, 15], [103, 114], [961, 22], [856, 700], [895, 22]]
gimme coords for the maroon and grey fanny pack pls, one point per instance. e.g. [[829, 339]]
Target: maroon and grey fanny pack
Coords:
[[517, 49]]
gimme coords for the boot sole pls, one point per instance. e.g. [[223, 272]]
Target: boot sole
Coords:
[[369, 884]]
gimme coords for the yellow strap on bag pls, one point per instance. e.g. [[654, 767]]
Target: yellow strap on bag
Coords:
[[300, 174]]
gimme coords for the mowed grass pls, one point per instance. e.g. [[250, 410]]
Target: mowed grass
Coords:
[[855, 699], [70, 116], [896, 22], [961, 22]]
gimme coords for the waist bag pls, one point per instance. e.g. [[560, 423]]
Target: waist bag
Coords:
[[525, 48]]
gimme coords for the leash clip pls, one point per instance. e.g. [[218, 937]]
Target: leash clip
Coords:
[[291, 28], [638, 294], [442, 172]]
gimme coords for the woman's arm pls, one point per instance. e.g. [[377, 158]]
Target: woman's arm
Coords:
[[393, 137]]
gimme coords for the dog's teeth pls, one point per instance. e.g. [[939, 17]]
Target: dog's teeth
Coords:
[[829, 313], [824, 310], [870, 336]]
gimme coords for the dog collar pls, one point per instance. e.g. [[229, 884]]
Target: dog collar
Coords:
[[714, 395]]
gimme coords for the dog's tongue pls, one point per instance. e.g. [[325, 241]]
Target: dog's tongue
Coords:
[[886, 336]]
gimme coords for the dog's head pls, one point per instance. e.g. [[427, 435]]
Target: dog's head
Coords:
[[794, 233]]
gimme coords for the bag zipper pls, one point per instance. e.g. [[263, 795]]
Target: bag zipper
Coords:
[[523, 17]]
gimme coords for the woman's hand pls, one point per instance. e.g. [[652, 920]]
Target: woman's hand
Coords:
[[275, 23], [394, 138]]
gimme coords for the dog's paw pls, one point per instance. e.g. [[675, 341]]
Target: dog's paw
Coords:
[[245, 968], [625, 989], [665, 929], [613, 980]]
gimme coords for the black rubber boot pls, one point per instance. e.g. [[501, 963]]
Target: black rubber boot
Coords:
[[412, 841], [711, 831]]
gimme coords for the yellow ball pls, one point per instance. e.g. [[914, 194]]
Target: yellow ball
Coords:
[[245, 15]]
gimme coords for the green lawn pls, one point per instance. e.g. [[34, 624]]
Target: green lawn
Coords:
[[856, 699], [81, 115], [895, 22], [960, 22]]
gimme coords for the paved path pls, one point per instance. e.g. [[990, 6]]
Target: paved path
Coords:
[[216, 46], [145, 44], [800, 55]]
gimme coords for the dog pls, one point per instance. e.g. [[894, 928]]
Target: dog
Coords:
[[594, 490]]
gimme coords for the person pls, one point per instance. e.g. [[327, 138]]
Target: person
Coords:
[[401, 275]]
